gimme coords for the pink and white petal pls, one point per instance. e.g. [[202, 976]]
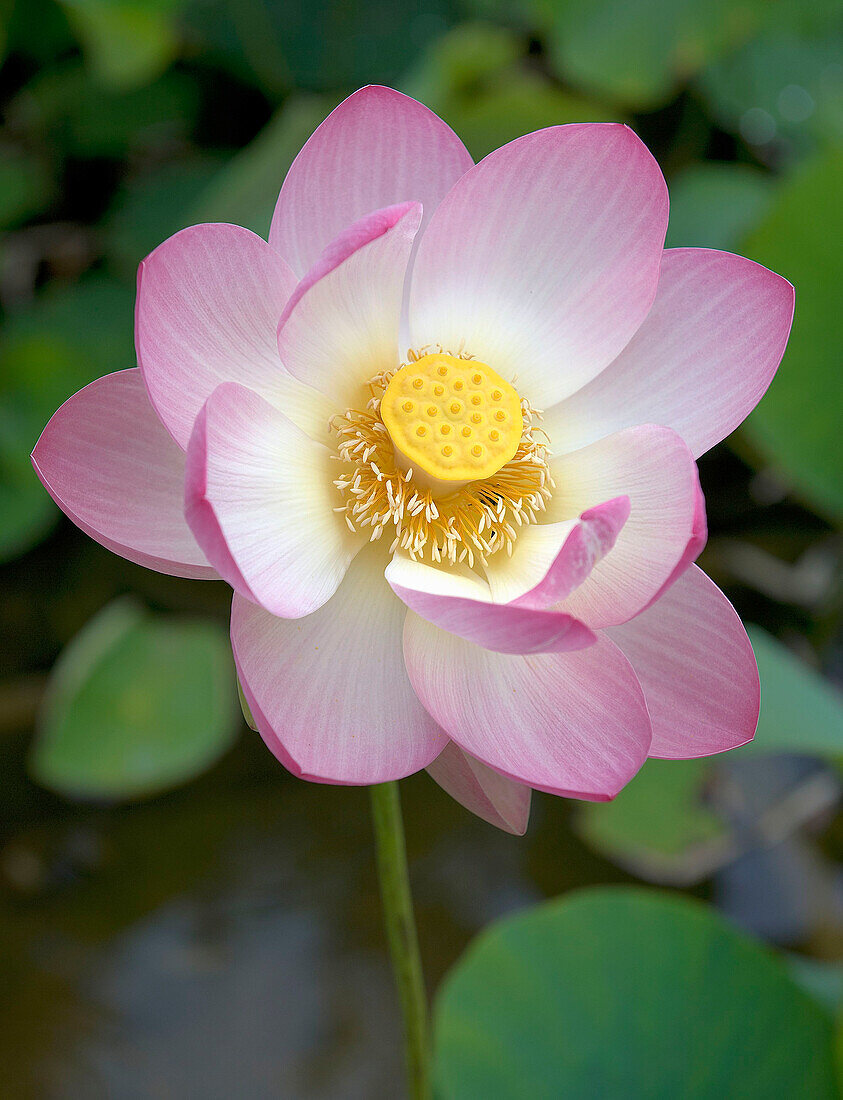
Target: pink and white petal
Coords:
[[700, 362], [500, 801], [696, 544], [377, 148], [696, 666], [543, 259], [464, 606], [208, 303], [260, 500], [340, 326], [329, 692], [550, 560], [574, 724], [108, 463], [666, 524]]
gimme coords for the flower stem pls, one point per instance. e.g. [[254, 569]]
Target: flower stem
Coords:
[[401, 933]]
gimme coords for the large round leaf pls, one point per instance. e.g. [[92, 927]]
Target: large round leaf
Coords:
[[625, 993], [136, 704]]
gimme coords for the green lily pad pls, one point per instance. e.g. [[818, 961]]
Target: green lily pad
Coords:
[[657, 820], [714, 205], [800, 710], [136, 704], [619, 993]]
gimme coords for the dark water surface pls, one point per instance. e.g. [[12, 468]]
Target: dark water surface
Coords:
[[226, 940]]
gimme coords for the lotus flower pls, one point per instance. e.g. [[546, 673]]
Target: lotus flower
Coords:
[[439, 435]]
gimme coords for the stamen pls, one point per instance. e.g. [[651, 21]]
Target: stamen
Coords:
[[471, 524]]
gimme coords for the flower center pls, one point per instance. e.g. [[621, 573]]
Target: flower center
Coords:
[[451, 420], [459, 506]]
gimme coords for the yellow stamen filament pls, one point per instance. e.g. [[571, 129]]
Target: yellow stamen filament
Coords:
[[470, 524]]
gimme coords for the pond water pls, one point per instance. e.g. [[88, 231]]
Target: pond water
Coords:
[[226, 940]]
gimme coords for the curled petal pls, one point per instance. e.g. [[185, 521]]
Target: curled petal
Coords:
[[340, 326], [466, 605], [666, 525], [550, 560]]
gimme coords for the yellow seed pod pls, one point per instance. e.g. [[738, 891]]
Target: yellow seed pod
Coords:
[[460, 393]]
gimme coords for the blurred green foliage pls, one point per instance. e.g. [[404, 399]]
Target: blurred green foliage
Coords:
[[125, 120], [798, 422]]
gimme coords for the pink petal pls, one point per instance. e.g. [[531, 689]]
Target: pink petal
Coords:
[[700, 362], [500, 801], [465, 605], [666, 525], [694, 547], [543, 259], [259, 498], [208, 305], [574, 724], [377, 148], [550, 560], [693, 658], [329, 692], [340, 326], [108, 463]]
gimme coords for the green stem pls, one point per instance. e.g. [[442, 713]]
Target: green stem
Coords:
[[401, 933]]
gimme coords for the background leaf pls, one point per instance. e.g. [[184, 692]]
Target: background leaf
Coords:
[[618, 993], [656, 819], [135, 705], [128, 42], [69, 112], [636, 53], [475, 78], [245, 190], [715, 205], [26, 185], [800, 711], [780, 88], [797, 424]]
